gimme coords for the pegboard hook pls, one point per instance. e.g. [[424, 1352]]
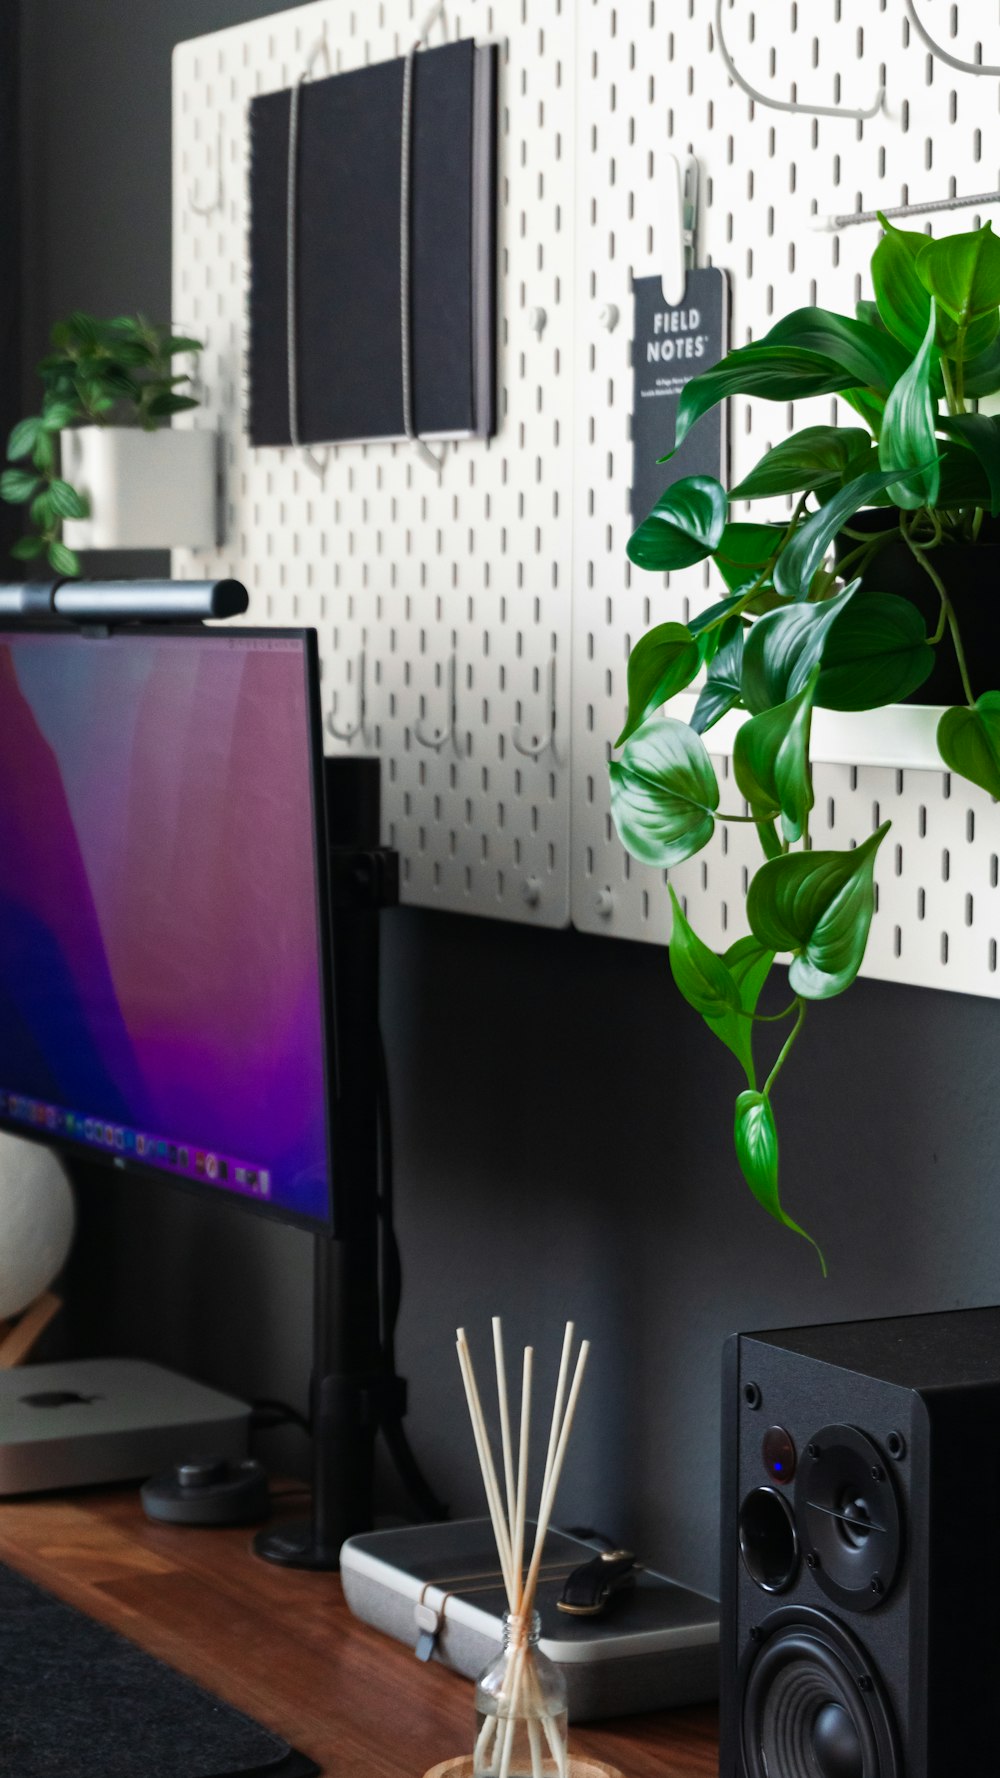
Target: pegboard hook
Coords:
[[680, 226], [832, 225], [548, 740], [938, 49], [442, 736], [218, 201], [430, 20], [357, 728], [787, 104]]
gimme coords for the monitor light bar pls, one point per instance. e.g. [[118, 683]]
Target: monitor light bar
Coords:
[[125, 601]]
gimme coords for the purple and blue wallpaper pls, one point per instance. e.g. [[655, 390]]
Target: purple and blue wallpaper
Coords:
[[160, 973]]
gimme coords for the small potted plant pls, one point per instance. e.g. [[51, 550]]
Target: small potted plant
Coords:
[[96, 467], [884, 567]]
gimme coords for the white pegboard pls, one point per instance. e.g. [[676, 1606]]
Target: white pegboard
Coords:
[[650, 82], [453, 601], [446, 601]]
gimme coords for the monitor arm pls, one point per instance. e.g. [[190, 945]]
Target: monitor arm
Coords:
[[354, 1391]]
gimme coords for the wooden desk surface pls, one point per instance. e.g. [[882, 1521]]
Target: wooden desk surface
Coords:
[[282, 1645]]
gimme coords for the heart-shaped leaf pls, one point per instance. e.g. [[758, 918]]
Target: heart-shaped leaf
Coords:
[[963, 479], [26, 549], [57, 414], [902, 298], [818, 905], [771, 761], [778, 373], [684, 526], [969, 742], [876, 653], [981, 434], [982, 375], [806, 551], [744, 550], [63, 559], [17, 486], [697, 625], [700, 975], [781, 649], [817, 457], [23, 438], [869, 404], [66, 502], [721, 690], [661, 663], [664, 793], [749, 965], [962, 272], [756, 1139], [908, 438], [873, 359]]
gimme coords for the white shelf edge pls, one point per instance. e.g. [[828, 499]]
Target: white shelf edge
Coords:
[[899, 735]]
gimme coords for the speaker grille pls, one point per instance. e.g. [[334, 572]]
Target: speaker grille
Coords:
[[812, 1706]]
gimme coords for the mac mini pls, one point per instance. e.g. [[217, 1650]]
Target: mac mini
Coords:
[[108, 1420]]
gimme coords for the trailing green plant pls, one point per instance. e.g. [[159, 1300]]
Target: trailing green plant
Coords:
[[796, 631], [97, 373]]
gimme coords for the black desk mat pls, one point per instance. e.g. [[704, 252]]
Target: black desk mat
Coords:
[[79, 1701]]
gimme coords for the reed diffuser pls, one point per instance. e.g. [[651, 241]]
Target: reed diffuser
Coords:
[[521, 1697]]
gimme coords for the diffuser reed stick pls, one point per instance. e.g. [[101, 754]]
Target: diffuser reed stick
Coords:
[[521, 1700]]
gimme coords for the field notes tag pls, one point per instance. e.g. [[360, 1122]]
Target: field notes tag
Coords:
[[671, 345]]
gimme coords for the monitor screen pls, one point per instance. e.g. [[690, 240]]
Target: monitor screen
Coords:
[[163, 932]]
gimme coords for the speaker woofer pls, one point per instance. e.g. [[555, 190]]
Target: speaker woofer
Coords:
[[849, 1517], [812, 1707]]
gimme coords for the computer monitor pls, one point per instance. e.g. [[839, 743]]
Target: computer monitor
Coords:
[[165, 968]]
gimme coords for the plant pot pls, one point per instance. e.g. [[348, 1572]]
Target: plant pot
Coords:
[[971, 573], [147, 490]]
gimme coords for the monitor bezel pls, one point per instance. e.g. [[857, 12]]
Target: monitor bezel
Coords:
[[128, 1167]]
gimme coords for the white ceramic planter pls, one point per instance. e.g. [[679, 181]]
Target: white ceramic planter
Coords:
[[147, 490]]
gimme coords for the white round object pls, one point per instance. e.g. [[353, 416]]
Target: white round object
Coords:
[[37, 1219]]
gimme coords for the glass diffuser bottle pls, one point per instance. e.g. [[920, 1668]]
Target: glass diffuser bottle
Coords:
[[520, 1709]]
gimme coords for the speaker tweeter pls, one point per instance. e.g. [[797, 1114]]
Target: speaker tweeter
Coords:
[[849, 1515]]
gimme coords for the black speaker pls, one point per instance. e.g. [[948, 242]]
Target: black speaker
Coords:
[[861, 1550]]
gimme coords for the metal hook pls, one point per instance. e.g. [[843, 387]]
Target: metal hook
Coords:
[[218, 202], [786, 104], [832, 224], [320, 49], [358, 728], [441, 736], [938, 49], [436, 12], [548, 740]]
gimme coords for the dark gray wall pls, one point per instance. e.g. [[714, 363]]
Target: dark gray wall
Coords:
[[10, 232], [562, 1122]]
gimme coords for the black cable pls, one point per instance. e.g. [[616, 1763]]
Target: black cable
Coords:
[[390, 1297], [281, 1414], [390, 1263]]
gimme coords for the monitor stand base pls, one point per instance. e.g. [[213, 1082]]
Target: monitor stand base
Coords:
[[293, 1544]]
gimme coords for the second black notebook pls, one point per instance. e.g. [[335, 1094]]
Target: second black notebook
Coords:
[[347, 272]]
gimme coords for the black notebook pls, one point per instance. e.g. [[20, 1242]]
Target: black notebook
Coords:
[[347, 270]]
